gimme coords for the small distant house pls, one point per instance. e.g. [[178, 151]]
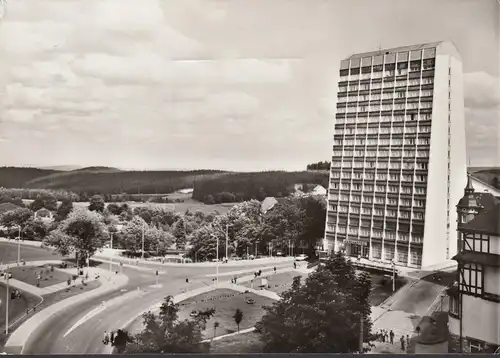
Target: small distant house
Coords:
[[44, 214], [298, 187], [186, 191], [318, 190], [269, 203]]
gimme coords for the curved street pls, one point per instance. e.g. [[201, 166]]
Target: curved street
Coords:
[[60, 335]]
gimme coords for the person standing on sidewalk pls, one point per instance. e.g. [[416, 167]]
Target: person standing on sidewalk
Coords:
[[407, 341], [402, 340], [391, 336]]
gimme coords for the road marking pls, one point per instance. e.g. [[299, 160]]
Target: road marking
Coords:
[[100, 309]]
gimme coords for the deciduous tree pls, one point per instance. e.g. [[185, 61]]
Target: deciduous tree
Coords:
[[86, 232], [321, 316], [165, 333], [97, 204], [238, 317], [17, 217]]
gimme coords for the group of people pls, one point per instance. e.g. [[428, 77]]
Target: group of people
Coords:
[[385, 336], [15, 293]]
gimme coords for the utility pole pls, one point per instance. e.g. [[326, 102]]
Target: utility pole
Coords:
[[361, 325], [111, 261], [142, 241], [7, 298], [393, 276], [19, 247], [217, 271], [227, 240]]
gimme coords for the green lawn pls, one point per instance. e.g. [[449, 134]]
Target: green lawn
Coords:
[[28, 274], [381, 285], [279, 282], [17, 307], [242, 343], [225, 303]]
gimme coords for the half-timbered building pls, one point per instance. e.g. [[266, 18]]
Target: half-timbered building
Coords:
[[474, 311]]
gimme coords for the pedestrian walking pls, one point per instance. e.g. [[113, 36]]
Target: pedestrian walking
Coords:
[[112, 339], [274, 269], [391, 336], [407, 341], [402, 340], [106, 338], [295, 265], [187, 280]]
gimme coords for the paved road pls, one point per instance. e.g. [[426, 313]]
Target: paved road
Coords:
[[52, 337]]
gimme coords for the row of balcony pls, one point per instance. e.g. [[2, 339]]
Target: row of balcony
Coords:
[[385, 73], [380, 131], [362, 143], [393, 153], [386, 107], [413, 83], [408, 118], [386, 96], [391, 164], [386, 235]]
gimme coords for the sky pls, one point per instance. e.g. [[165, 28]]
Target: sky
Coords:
[[215, 84]]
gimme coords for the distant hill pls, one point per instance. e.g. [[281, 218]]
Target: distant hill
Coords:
[[14, 177], [63, 168], [209, 185]]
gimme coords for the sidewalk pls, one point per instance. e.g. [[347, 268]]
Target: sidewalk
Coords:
[[25, 242], [20, 336]]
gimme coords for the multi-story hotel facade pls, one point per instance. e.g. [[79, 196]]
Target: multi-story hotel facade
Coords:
[[399, 164]]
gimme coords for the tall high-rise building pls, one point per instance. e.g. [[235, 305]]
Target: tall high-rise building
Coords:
[[399, 164]]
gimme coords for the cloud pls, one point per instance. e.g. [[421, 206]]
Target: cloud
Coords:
[[482, 90]]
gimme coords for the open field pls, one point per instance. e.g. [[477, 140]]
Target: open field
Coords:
[[242, 343], [189, 204], [225, 303], [28, 274], [8, 253]]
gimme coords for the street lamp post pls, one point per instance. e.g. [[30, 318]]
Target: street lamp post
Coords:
[[227, 241], [19, 245], [111, 246], [217, 263], [142, 256], [393, 276], [7, 298]]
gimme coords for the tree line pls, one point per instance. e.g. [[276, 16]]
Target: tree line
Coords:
[[237, 187], [319, 166]]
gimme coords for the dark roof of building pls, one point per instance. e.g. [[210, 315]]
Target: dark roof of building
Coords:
[[487, 221], [4, 207], [478, 258], [396, 50]]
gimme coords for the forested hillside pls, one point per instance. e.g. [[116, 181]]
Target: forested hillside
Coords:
[[246, 186]]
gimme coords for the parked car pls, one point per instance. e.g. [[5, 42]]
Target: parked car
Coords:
[[301, 257], [250, 301], [279, 253]]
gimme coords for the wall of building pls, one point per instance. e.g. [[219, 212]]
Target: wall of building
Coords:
[[492, 282], [495, 245], [458, 163], [481, 187], [434, 245], [431, 348], [486, 328]]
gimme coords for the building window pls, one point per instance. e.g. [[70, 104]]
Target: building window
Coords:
[[472, 279], [415, 258], [389, 253], [377, 251], [454, 306]]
